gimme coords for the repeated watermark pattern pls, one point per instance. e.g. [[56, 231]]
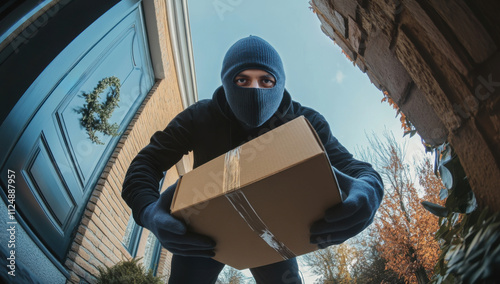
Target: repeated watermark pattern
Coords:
[[216, 178], [483, 91], [11, 222], [30, 31], [221, 7]]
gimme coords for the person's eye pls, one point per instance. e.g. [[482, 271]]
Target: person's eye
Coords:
[[268, 82], [240, 81]]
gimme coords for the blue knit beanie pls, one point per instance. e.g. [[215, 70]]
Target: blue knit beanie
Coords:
[[252, 106]]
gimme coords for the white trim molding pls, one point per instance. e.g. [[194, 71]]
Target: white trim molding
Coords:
[[180, 36]]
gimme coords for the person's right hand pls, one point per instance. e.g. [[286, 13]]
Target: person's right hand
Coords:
[[172, 233]]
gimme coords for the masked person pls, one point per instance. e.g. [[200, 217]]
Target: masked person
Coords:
[[251, 101]]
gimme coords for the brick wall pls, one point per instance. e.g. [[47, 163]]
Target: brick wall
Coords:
[[439, 61]]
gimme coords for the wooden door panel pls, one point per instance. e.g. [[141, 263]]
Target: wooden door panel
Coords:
[[42, 175]]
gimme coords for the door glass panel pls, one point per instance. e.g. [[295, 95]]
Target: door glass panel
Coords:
[[115, 57]]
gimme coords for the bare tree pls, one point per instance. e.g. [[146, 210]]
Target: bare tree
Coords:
[[370, 266], [404, 228], [332, 264], [230, 275]]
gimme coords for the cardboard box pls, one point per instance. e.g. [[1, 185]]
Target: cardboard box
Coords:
[[259, 201]]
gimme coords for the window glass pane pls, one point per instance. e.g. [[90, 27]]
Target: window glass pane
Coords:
[[132, 236], [152, 253]]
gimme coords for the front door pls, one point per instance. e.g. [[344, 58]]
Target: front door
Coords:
[[56, 164]]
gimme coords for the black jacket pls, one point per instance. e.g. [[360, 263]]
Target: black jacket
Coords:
[[210, 129]]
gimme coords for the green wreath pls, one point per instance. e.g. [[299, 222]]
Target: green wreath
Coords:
[[95, 115]]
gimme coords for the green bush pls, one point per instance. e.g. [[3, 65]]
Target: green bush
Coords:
[[469, 236], [126, 272]]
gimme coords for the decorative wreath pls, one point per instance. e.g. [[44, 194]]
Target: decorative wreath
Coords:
[[95, 115]]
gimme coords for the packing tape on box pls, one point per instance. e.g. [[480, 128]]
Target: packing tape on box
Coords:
[[244, 208], [231, 170]]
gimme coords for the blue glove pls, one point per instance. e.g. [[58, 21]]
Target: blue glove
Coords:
[[353, 215], [172, 233]]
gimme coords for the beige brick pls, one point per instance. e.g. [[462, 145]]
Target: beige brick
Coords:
[[101, 181], [104, 204], [90, 241], [101, 226], [115, 259], [92, 226], [97, 191], [79, 271], [99, 258], [78, 238], [75, 247], [69, 263], [106, 242], [120, 251], [110, 263], [115, 154], [83, 253], [88, 245], [110, 225], [90, 209], [119, 213], [124, 161], [94, 199], [117, 251], [106, 170], [99, 234], [97, 212], [73, 278], [85, 221], [113, 173], [119, 178], [86, 266], [114, 186], [82, 229]]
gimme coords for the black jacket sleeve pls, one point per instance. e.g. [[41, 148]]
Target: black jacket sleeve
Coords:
[[166, 148]]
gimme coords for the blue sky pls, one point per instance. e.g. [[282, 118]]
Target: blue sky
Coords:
[[318, 74]]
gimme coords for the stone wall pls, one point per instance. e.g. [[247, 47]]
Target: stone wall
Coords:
[[439, 61]]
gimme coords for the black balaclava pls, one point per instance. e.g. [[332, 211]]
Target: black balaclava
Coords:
[[252, 106]]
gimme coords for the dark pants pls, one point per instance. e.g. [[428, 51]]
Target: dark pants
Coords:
[[198, 270]]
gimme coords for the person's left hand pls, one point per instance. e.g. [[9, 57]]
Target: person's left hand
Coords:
[[353, 215]]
